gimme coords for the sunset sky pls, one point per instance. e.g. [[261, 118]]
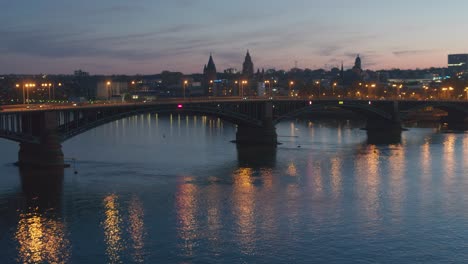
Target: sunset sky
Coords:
[[148, 36]]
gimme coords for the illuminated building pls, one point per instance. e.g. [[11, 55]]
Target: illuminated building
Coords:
[[457, 64]]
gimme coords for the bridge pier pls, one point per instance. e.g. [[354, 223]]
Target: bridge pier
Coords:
[[455, 121], [388, 131], [265, 134], [47, 153], [383, 132]]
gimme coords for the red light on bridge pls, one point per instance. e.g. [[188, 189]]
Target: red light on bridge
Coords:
[[180, 106]]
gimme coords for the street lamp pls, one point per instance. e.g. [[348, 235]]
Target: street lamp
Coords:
[[185, 87], [108, 85], [17, 86], [269, 87], [48, 85], [450, 89], [334, 86], [291, 83], [318, 84], [242, 87]]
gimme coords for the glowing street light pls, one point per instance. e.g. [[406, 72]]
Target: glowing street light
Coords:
[[269, 87], [185, 87], [108, 86], [242, 87], [291, 83], [24, 100], [48, 85], [28, 85]]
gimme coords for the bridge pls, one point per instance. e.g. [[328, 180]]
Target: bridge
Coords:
[[40, 129]]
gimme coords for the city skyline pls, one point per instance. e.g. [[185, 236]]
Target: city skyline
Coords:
[[114, 37]]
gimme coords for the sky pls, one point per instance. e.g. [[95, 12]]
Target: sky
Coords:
[[149, 36]]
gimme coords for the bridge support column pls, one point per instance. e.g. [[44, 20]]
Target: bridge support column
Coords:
[[456, 121], [380, 130], [48, 152], [265, 134]]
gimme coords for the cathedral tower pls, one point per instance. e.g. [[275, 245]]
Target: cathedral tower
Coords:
[[247, 67]]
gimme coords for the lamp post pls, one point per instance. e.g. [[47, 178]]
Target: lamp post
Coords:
[[291, 83], [450, 89], [333, 88], [28, 85], [108, 85], [238, 88], [24, 96], [269, 88], [318, 84], [242, 87], [49, 85], [53, 90], [185, 87]]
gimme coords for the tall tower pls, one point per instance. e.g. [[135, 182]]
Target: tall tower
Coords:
[[357, 63], [247, 66], [209, 76], [210, 70], [342, 73]]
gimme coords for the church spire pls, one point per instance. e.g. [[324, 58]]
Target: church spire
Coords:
[[247, 66]]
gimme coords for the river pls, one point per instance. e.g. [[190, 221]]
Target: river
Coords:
[[174, 189]]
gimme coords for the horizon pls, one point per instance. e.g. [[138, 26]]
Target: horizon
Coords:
[[144, 38]]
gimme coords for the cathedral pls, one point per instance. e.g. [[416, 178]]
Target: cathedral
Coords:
[[357, 68], [209, 75], [248, 67], [209, 71]]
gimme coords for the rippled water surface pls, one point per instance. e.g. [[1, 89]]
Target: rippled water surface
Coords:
[[175, 190]]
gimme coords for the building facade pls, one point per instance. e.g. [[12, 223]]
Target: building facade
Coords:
[[457, 64]]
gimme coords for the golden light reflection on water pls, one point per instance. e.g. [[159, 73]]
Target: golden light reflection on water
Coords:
[[186, 205], [426, 158], [397, 166], [137, 228], [112, 229], [315, 172], [368, 181], [244, 208], [292, 170], [449, 159], [41, 239], [267, 178], [336, 177]]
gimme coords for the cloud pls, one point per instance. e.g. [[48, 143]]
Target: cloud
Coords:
[[411, 52]]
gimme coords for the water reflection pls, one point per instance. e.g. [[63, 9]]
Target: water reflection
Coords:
[[112, 229], [383, 138], [186, 206], [42, 187], [41, 238], [256, 156], [368, 183], [137, 228], [41, 234], [244, 209]]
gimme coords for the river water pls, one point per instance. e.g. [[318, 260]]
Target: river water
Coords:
[[160, 189]]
